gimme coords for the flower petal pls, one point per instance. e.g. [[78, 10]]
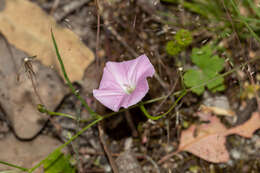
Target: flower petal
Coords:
[[139, 68], [117, 71], [110, 98], [108, 81], [139, 92], [118, 80]]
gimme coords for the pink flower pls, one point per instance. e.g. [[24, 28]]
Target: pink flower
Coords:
[[123, 84]]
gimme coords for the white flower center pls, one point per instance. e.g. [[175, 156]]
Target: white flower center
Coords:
[[128, 88]]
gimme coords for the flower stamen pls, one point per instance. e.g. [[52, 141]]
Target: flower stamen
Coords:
[[128, 88]]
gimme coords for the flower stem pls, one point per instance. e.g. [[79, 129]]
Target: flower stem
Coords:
[[164, 114], [14, 166], [42, 109], [84, 103], [68, 142]]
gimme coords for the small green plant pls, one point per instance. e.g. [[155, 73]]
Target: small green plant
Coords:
[[58, 162], [208, 67], [181, 40]]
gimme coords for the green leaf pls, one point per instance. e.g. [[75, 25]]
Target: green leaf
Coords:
[[205, 60], [57, 162], [215, 64], [193, 78], [209, 68], [200, 56], [183, 38], [172, 48], [216, 84]]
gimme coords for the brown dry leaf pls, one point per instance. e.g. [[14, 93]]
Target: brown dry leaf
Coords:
[[247, 129], [18, 99], [209, 141], [27, 27], [26, 154]]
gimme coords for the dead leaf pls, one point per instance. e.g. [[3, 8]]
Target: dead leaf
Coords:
[[18, 99], [27, 27], [247, 129], [217, 110], [26, 154], [209, 141]]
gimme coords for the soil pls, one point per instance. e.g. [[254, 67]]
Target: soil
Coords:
[[127, 29]]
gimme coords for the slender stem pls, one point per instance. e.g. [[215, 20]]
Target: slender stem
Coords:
[[14, 166], [61, 114], [164, 114], [100, 118], [84, 103], [43, 109], [68, 142]]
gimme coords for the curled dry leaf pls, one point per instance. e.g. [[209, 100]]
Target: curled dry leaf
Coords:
[[209, 141], [27, 27]]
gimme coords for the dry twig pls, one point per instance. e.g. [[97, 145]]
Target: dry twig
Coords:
[[69, 8], [106, 149]]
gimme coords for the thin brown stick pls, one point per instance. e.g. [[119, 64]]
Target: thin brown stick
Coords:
[[54, 6], [252, 81], [106, 149], [72, 6], [166, 157], [100, 127], [131, 123], [32, 76], [98, 34], [168, 95]]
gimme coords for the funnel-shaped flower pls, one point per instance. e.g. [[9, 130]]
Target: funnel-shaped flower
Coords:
[[123, 84]]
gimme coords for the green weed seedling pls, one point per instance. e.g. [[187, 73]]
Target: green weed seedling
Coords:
[[181, 40], [208, 67], [58, 162]]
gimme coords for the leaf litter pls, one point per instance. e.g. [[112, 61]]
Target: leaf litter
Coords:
[[28, 28], [112, 50], [18, 98], [208, 141]]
